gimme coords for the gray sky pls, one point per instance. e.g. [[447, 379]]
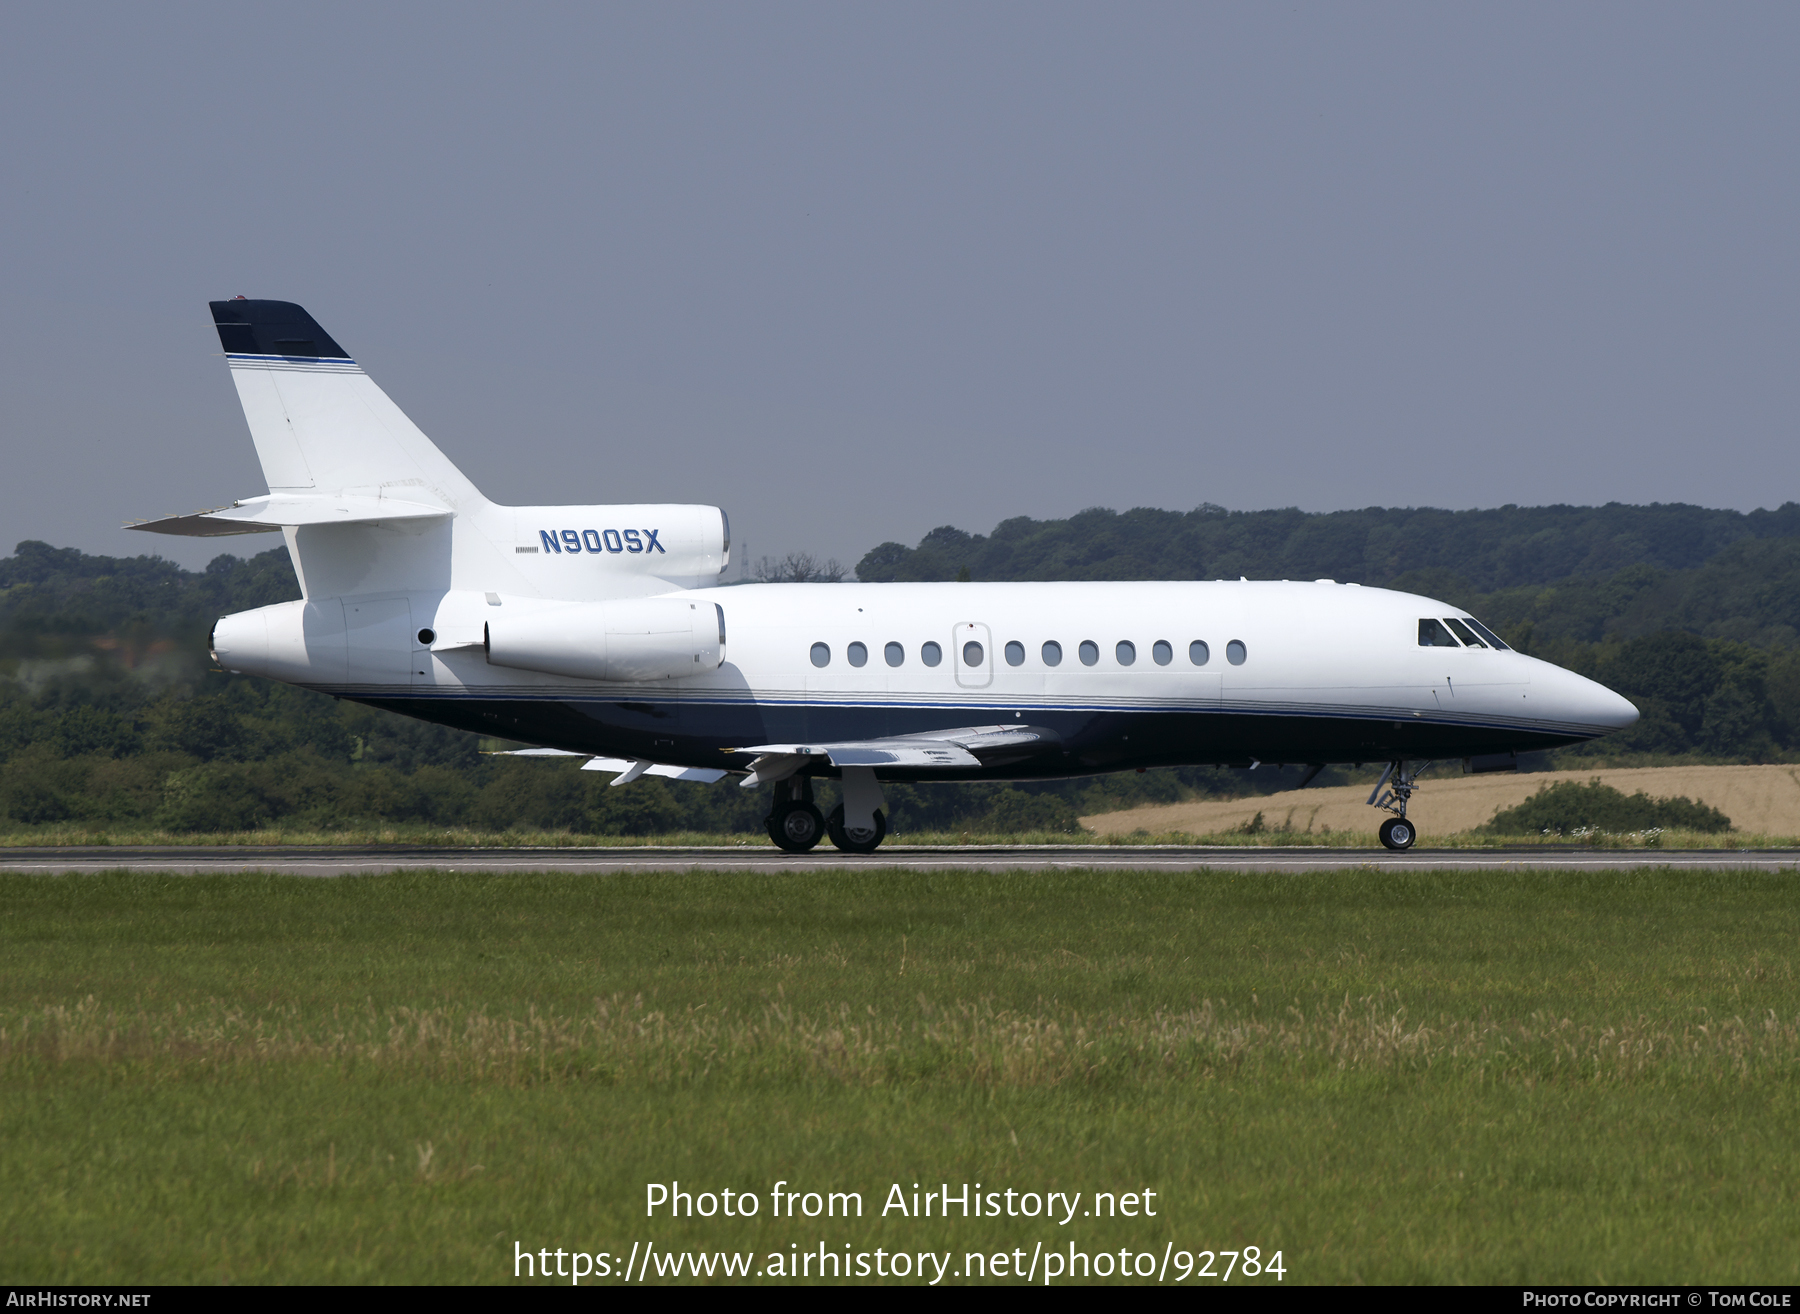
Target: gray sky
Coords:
[[855, 271]]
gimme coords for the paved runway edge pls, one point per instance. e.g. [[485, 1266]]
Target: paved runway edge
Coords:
[[294, 861]]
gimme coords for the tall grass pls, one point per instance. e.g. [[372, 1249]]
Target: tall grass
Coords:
[[1390, 1075], [627, 1039]]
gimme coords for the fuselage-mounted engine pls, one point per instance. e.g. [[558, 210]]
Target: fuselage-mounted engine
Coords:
[[631, 639]]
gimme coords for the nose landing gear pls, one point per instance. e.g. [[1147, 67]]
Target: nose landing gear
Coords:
[[1398, 783], [1397, 833]]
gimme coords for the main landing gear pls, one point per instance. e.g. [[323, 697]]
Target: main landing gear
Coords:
[[794, 822], [857, 825], [857, 839], [1398, 783]]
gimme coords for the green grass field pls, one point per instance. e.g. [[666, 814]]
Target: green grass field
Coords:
[[1386, 1076]]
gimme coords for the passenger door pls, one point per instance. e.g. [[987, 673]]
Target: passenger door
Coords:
[[971, 639]]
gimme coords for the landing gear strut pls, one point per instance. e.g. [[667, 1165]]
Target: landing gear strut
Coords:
[[794, 822], [1398, 783], [857, 825], [856, 839]]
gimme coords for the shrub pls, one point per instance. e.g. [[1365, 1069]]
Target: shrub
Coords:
[[1569, 806], [1016, 812], [213, 797]]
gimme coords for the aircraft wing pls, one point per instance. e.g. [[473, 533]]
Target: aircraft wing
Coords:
[[268, 514], [628, 768], [969, 746]]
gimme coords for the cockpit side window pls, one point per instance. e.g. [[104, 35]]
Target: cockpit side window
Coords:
[[1464, 633], [1493, 640], [1432, 634]]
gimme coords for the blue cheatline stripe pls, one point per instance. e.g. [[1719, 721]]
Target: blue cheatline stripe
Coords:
[[321, 360], [427, 693]]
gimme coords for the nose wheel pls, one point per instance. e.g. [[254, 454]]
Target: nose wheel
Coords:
[[1392, 793]]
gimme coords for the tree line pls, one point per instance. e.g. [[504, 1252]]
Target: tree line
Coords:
[[111, 716], [1506, 547]]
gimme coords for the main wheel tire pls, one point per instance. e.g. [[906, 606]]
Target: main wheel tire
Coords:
[[855, 841], [796, 827], [1398, 833]]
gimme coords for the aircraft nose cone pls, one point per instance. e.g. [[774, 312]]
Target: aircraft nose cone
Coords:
[[1604, 707]]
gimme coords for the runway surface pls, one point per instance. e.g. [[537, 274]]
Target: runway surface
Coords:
[[765, 858]]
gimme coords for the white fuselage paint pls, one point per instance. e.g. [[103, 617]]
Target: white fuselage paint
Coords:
[[1319, 652]]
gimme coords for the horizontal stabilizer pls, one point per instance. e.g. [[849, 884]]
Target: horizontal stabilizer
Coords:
[[261, 515]]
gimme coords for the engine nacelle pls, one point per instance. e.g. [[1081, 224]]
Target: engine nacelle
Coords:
[[302, 642], [627, 639]]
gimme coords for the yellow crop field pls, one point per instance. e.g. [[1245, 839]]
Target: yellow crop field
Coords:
[[1761, 800]]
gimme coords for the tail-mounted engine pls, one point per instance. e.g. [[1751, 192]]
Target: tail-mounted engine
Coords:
[[628, 639]]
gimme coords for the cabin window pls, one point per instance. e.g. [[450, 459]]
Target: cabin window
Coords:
[[973, 654], [1493, 640], [1126, 652], [1464, 633], [1090, 652], [930, 654], [894, 653], [1015, 653], [821, 654], [1052, 653], [1432, 634], [1234, 652], [858, 655], [1198, 653], [1161, 653]]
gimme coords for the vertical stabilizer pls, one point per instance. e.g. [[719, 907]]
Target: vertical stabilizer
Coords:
[[319, 423], [370, 506]]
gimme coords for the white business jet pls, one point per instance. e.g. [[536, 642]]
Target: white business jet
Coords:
[[601, 631]]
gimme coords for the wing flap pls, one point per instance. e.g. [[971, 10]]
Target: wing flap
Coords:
[[947, 750], [630, 768], [875, 752]]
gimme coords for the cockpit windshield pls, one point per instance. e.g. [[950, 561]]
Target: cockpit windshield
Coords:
[[1464, 633], [1432, 634], [1492, 639]]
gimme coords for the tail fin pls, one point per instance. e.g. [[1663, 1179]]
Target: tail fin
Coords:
[[319, 423]]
